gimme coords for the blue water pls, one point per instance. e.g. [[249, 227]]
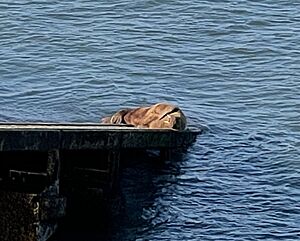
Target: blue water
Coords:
[[232, 66]]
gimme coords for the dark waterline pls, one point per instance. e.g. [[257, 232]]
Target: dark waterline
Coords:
[[232, 66]]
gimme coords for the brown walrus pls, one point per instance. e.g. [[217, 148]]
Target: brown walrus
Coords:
[[160, 115]]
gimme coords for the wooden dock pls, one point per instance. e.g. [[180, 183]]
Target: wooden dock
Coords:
[[45, 165]]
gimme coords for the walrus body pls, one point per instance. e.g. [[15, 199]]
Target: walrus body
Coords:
[[161, 115]]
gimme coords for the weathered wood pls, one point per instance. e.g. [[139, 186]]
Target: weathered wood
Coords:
[[65, 136]]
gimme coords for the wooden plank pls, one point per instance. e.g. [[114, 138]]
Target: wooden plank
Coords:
[[28, 178], [45, 136], [82, 126], [59, 126]]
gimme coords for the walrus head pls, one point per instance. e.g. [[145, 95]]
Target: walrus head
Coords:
[[170, 116]]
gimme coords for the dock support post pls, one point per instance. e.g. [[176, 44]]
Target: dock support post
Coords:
[[114, 168], [31, 215]]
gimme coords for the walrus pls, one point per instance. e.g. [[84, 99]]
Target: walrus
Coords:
[[160, 115]]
